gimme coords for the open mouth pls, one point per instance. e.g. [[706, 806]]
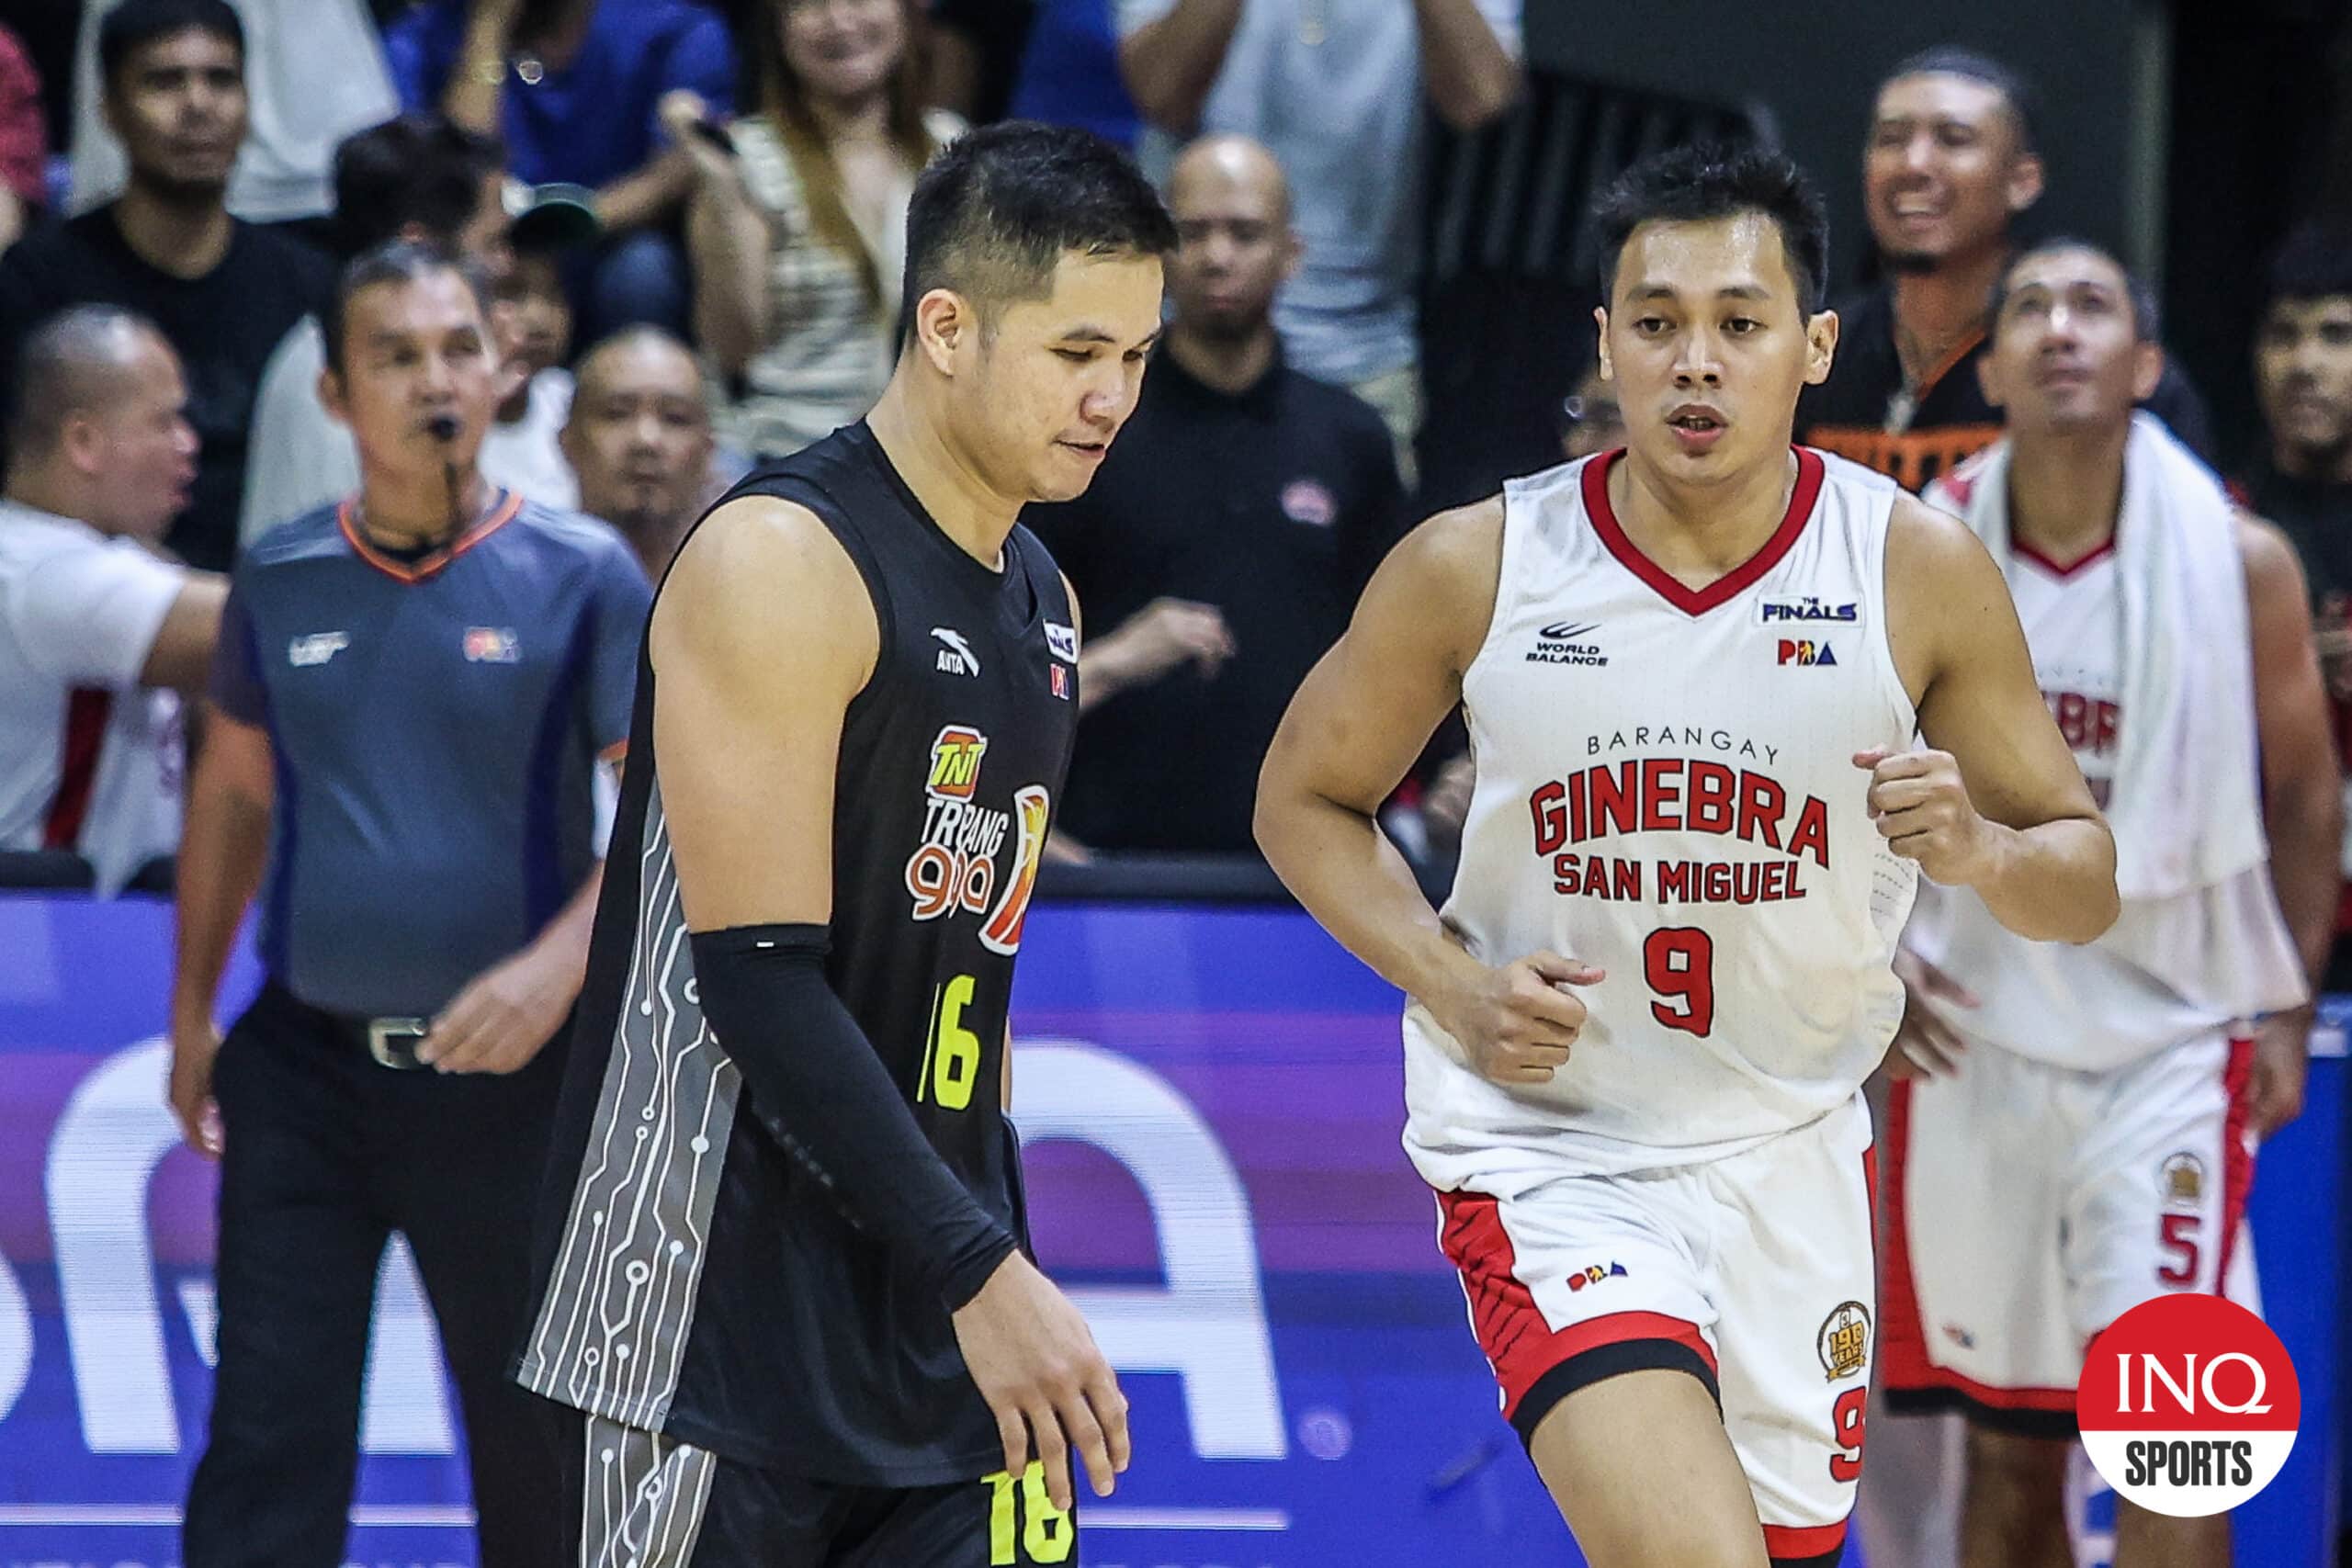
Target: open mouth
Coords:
[[1696, 422]]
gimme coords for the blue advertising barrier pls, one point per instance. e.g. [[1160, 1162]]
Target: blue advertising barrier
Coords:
[[1210, 1101]]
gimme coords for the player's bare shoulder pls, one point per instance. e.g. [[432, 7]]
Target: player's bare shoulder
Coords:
[[1441, 580], [2272, 568], [764, 579], [1940, 583]]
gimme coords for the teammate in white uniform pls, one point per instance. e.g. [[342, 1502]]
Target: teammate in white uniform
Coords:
[[2075, 1146], [1691, 672]]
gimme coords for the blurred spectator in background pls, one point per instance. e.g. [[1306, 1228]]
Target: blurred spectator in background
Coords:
[[1590, 421], [1221, 548], [418, 707], [1069, 72], [222, 291], [314, 73], [532, 321], [1335, 89], [1951, 167], [24, 140], [573, 87], [97, 631], [416, 177], [640, 440], [2303, 361], [798, 229], [974, 50]]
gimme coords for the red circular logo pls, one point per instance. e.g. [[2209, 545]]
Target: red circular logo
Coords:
[[2188, 1404]]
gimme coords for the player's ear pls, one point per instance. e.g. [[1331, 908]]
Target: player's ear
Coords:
[[2147, 369], [1821, 345], [331, 394], [1988, 379], [944, 320], [2025, 182], [1601, 329]]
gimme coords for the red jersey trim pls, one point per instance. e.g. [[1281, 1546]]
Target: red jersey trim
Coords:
[[2026, 552], [87, 708], [437, 561], [1730, 584]]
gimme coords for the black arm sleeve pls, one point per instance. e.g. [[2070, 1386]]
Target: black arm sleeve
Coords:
[[818, 1086]]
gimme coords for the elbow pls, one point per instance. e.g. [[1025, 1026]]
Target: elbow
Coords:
[[2095, 912], [1480, 102]]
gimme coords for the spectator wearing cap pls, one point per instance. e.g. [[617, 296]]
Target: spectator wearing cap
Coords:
[[1338, 90], [638, 437], [573, 88], [1224, 540], [98, 634], [798, 228], [314, 73], [416, 177], [416, 715], [222, 291]]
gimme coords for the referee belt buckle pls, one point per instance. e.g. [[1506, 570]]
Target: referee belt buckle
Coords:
[[392, 1041]]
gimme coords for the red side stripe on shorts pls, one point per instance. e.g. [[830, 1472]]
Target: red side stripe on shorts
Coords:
[[85, 734], [1804, 1541], [1517, 1342], [2237, 1161], [1902, 1340]]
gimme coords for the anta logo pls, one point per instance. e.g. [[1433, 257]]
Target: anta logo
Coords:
[[492, 644], [1567, 642], [1805, 652], [1779, 612], [1594, 1274], [956, 658], [316, 649]]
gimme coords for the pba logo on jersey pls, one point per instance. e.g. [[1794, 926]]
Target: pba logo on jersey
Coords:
[[955, 868], [492, 644], [1844, 1343], [1808, 610], [2182, 1180], [1594, 1273], [1805, 652], [1057, 678], [2188, 1404]]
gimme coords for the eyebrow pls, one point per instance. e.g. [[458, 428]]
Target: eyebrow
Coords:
[[1092, 333], [1733, 291]]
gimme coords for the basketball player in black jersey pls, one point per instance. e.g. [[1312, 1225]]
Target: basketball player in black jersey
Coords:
[[783, 1273]]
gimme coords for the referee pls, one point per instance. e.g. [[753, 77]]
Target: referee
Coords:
[[412, 693]]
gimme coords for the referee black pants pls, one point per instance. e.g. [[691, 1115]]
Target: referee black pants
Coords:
[[326, 1153]]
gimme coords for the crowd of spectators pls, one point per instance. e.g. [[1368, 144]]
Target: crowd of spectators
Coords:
[[689, 217]]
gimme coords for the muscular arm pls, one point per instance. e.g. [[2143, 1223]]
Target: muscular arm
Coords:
[[2041, 857], [2303, 801], [1170, 64], [181, 656], [1469, 76], [1357, 722], [764, 635]]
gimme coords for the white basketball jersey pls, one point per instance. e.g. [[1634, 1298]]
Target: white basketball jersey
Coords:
[[1666, 788], [2081, 1007]]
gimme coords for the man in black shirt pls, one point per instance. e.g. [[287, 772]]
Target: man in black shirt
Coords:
[[222, 291], [2302, 363], [1950, 169], [785, 1275], [1225, 539]]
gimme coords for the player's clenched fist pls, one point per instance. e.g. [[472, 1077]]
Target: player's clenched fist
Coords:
[[1517, 1020], [1922, 811]]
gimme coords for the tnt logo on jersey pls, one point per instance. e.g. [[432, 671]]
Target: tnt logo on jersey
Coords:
[[1594, 1273], [955, 868], [492, 644], [1844, 1343], [1807, 609], [1805, 652]]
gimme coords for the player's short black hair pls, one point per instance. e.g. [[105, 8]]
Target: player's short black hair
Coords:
[[401, 261], [1699, 183], [997, 209], [135, 23], [413, 168], [2314, 262], [1950, 59], [2146, 325]]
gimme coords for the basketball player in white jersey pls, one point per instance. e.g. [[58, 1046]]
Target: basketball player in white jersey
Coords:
[[2075, 1145], [1695, 674]]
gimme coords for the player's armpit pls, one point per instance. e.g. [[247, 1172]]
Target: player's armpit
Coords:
[[762, 636], [2049, 870]]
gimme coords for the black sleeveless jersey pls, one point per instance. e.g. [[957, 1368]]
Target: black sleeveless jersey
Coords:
[[695, 1278]]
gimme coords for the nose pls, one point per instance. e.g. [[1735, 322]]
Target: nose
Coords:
[[1918, 152], [2061, 326], [645, 434], [1700, 359], [185, 441]]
